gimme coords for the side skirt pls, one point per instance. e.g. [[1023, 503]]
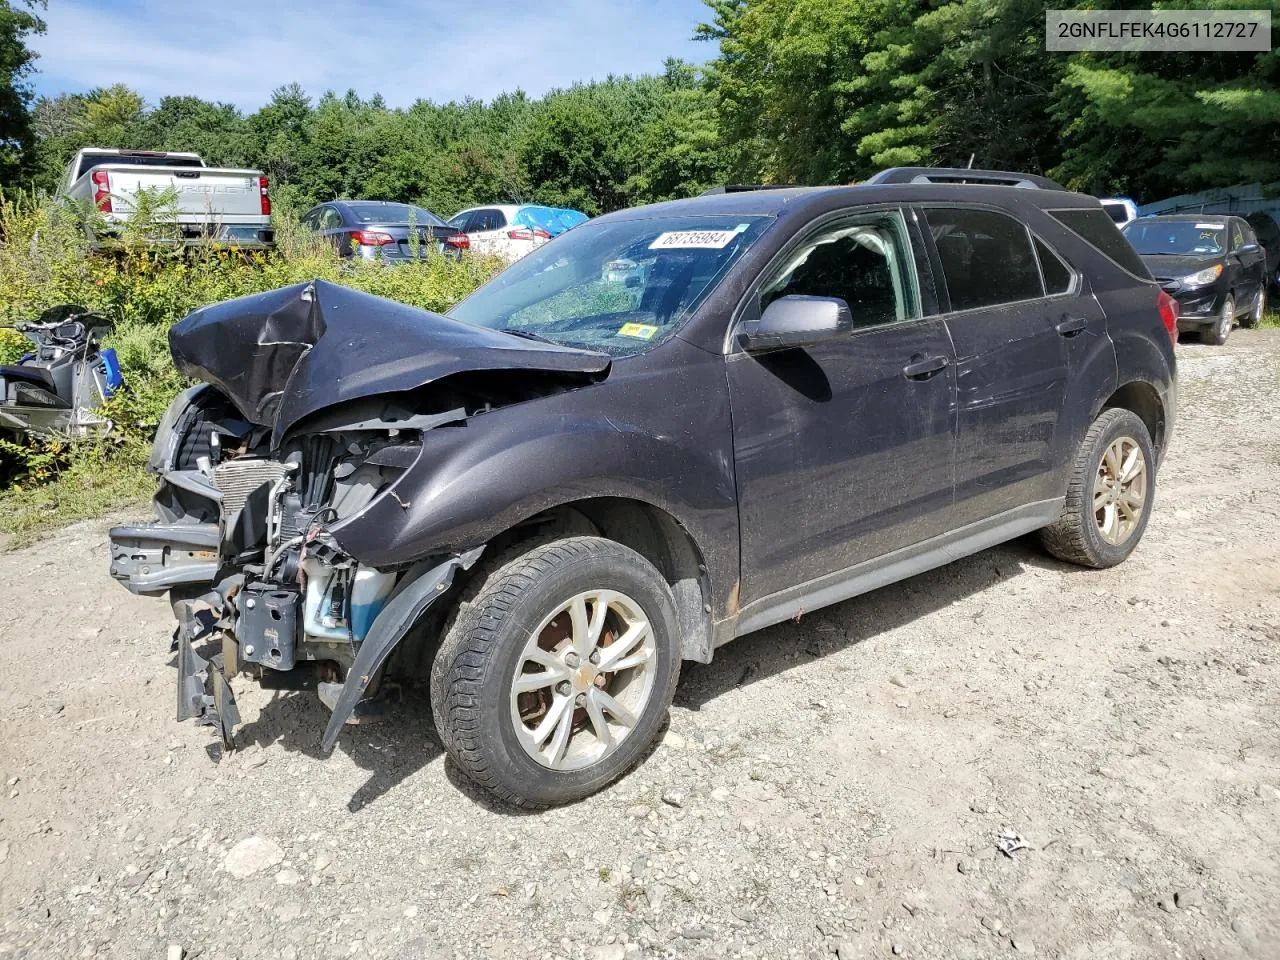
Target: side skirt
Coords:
[[892, 567]]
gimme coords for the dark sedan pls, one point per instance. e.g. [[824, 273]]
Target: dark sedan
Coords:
[[1212, 265], [376, 229]]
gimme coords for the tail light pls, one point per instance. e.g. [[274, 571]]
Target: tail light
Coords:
[[265, 195], [371, 238], [525, 233], [459, 241], [1169, 311], [101, 190]]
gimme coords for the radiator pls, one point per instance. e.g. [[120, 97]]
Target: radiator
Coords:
[[239, 479]]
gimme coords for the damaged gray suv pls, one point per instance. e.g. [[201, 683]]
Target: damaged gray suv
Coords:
[[667, 428]]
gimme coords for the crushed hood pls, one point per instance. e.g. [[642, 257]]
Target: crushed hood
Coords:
[[284, 355]]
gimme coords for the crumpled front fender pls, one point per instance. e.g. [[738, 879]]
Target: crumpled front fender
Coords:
[[402, 611]]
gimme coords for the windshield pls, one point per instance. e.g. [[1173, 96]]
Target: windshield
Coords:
[[393, 213], [619, 286], [1182, 238]]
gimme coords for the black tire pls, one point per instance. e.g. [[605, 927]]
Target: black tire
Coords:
[[481, 650], [1075, 536], [1216, 333]]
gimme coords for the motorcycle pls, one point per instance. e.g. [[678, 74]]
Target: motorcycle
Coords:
[[60, 386]]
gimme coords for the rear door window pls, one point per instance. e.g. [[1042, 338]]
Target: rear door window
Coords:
[[331, 219], [987, 257], [483, 220], [1057, 275]]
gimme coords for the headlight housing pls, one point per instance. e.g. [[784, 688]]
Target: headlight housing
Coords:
[[1207, 275]]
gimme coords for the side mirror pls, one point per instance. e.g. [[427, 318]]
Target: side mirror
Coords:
[[1249, 248], [796, 321]]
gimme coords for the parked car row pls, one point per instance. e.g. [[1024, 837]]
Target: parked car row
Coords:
[[1221, 268], [377, 229]]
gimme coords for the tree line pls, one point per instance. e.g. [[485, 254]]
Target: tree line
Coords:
[[795, 91]]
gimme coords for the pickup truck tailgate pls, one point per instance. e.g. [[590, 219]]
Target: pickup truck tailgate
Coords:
[[228, 196]]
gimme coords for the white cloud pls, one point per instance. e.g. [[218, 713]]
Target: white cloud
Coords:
[[238, 51]]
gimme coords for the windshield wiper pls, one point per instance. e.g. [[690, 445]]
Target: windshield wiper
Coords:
[[526, 335]]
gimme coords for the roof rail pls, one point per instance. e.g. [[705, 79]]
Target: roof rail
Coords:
[[746, 188], [1002, 178]]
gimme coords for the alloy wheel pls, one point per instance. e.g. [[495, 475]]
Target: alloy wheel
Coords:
[[1226, 321], [583, 680], [1120, 490]]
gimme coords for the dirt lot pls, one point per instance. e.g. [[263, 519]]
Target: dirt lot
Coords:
[[829, 788]]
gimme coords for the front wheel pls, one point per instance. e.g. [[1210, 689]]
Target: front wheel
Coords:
[[557, 670], [1217, 332], [1109, 494], [1259, 308]]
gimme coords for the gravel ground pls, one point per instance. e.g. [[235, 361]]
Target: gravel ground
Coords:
[[835, 787]]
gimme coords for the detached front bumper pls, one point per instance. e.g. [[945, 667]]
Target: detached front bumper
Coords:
[[203, 692], [154, 557]]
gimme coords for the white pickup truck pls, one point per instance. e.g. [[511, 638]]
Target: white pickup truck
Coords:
[[212, 202]]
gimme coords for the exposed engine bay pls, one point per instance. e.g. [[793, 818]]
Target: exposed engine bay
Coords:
[[265, 492], [243, 546]]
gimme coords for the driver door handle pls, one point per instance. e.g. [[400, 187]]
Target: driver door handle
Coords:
[[1071, 326], [924, 369]]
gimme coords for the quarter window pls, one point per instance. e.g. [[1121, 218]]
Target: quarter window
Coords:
[[864, 261], [986, 257], [1093, 226], [1057, 275]]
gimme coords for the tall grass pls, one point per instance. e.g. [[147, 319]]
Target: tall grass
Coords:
[[46, 259]]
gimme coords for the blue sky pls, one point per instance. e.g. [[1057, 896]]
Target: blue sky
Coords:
[[238, 51]]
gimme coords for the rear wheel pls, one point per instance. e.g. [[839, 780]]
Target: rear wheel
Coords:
[[1216, 333], [1109, 495], [557, 670]]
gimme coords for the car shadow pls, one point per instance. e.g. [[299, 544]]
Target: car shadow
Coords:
[[766, 653], [391, 750], [405, 741]]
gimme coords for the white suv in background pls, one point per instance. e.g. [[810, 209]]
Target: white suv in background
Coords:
[[512, 230], [1120, 209]]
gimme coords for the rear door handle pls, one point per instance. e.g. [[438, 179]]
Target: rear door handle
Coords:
[[924, 369], [1071, 326]]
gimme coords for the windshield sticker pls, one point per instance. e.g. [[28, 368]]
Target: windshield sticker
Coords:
[[693, 240], [641, 331], [1208, 226]]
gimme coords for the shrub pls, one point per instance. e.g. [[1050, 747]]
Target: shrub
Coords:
[[46, 259]]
